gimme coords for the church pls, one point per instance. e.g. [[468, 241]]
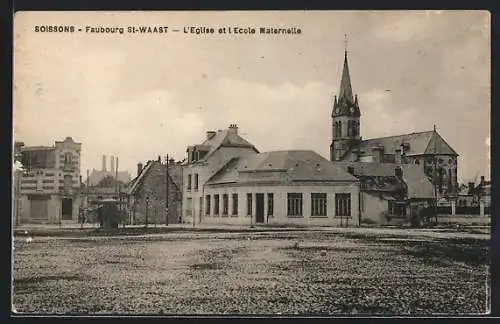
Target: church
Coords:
[[426, 149]]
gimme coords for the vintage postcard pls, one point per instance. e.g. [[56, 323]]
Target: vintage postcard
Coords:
[[272, 163]]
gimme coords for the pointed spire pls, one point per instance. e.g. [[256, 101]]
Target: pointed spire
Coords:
[[345, 83]]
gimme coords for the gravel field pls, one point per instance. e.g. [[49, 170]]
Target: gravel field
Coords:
[[304, 273]]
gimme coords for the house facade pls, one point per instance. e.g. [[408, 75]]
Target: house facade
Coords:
[[148, 196], [390, 191], [281, 188], [203, 161], [49, 185], [475, 199]]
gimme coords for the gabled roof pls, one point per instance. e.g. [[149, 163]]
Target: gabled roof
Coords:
[[224, 138], [282, 165], [419, 143], [418, 184], [134, 184], [175, 173]]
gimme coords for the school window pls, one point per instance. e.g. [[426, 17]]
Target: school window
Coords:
[[225, 205], [318, 204], [207, 205], [196, 181], [343, 204], [249, 204], [216, 205], [189, 182], [235, 205], [270, 204], [294, 205]]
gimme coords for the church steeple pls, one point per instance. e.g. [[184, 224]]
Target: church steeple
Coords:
[[346, 103], [345, 116], [345, 83]]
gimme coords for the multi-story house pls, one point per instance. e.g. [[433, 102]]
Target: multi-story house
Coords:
[[50, 182], [203, 161]]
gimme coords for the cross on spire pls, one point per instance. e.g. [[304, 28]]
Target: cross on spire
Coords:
[[345, 44], [345, 83]]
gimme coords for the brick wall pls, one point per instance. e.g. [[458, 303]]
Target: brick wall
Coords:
[[153, 186]]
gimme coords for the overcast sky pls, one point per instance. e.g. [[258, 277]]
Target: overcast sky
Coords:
[[139, 96]]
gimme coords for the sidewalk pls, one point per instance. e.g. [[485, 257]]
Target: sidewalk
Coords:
[[209, 230]]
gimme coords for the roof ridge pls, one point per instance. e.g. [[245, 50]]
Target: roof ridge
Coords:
[[400, 135]]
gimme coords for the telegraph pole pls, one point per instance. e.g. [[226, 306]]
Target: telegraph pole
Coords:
[[166, 193], [147, 207]]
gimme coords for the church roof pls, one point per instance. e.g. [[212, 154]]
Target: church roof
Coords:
[[280, 166], [417, 144]]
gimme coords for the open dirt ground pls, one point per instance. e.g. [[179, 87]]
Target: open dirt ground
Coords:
[[306, 273]]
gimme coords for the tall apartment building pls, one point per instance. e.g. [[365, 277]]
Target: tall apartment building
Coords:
[[49, 187]]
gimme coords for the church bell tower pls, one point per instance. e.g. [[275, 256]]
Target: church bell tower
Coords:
[[345, 118]]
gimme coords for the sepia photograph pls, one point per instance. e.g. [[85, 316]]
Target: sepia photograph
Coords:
[[251, 163]]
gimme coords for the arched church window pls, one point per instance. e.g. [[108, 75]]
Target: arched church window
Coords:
[[349, 128], [417, 162]]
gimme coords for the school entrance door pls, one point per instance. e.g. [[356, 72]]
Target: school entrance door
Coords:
[[259, 210]]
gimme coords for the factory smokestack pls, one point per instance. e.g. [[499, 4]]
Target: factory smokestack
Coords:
[[104, 163], [112, 164]]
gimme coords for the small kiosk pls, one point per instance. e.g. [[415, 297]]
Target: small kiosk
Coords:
[[110, 212]]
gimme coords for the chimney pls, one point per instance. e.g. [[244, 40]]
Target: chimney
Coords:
[[116, 162], [104, 163], [210, 134], [482, 181], [139, 168], [112, 164], [159, 158], [398, 172], [233, 128], [397, 156]]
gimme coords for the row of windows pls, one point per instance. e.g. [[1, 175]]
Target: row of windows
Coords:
[[47, 174], [43, 187], [295, 203], [189, 182], [49, 181]]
